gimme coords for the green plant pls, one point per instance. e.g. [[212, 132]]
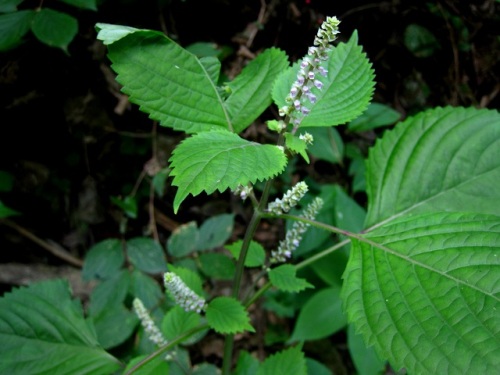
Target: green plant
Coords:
[[416, 274], [50, 26]]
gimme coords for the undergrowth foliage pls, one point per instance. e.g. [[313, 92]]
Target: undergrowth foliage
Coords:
[[414, 279]]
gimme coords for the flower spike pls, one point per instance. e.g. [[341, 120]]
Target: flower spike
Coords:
[[310, 73]]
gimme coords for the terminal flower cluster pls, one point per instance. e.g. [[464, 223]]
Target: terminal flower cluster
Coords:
[[308, 82], [152, 331], [289, 200], [294, 235], [183, 296]]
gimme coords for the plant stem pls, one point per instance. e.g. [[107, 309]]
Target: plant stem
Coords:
[[163, 349]]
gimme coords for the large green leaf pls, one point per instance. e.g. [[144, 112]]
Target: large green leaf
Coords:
[[84, 4], [227, 315], [103, 260], [444, 159], [251, 89], [425, 291], [347, 89], [43, 331], [166, 81], [220, 160]]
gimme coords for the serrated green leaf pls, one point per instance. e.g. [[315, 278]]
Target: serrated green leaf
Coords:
[[177, 322], [109, 292], [7, 6], [227, 315], [43, 331], [146, 289], [146, 254], [103, 260], [183, 240], [347, 89], [54, 28], [320, 317], [424, 291], [251, 89], [219, 160], [13, 26], [365, 359], [217, 266], [83, 4], [256, 254], [165, 80], [296, 145], [443, 159], [328, 144], [288, 361], [376, 115], [285, 278], [215, 231]]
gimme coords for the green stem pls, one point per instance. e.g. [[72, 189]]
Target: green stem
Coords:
[[240, 265], [163, 349]]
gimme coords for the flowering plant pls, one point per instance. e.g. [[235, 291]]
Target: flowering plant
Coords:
[[413, 279]]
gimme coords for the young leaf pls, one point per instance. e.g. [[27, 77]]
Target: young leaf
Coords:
[[219, 160], [251, 89], [165, 80], [54, 28], [177, 322], [255, 256], [7, 211], [109, 292], [284, 278], [146, 289], [347, 89], [320, 317], [103, 260], [227, 315], [215, 231], [110, 334], [296, 145], [375, 116], [286, 362], [13, 26], [83, 4], [42, 330], [146, 254], [327, 145], [443, 159], [183, 240], [424, 291], [217, 266]]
